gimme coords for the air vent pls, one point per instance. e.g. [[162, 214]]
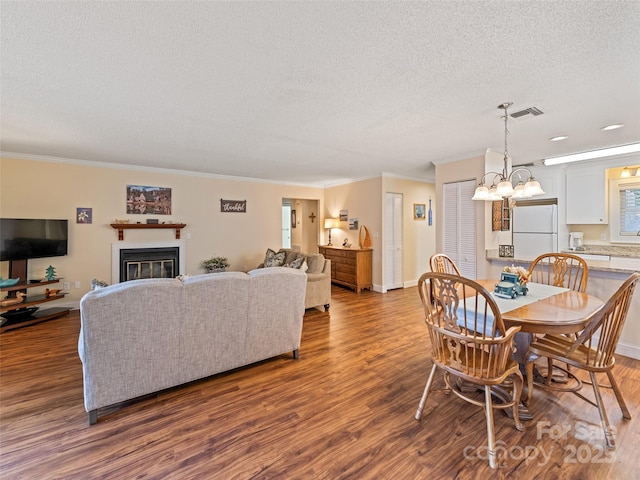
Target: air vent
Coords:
[[526, 113]]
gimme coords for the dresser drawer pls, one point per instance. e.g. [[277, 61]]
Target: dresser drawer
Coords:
[[346, 277]]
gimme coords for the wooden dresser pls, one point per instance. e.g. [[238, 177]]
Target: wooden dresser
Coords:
[[350, 267]]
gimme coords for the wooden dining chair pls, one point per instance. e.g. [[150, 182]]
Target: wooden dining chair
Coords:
[[593, 351], [469, 342], [442, 263], [560, 270]]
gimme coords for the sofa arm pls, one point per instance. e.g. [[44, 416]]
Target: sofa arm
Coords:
[[319, 288]]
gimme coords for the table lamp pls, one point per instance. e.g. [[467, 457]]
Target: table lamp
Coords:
[[330, 223]]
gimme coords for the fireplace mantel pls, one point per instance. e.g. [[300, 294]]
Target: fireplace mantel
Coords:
[[123, 226]]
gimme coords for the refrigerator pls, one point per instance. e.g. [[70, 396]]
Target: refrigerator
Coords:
[[535, 230]]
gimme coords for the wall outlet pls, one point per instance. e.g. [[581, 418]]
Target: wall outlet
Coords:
[[65, 285], [77, 285]]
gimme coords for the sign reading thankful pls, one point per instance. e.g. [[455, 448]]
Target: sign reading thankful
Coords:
[[235, 206]]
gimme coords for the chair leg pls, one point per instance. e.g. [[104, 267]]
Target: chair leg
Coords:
[[491, 440], [423, 400], [517, 393], [608, 434], [529, 368], [616, 390]]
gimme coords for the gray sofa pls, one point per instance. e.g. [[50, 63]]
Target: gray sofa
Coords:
[[318, 270], [143, 336]]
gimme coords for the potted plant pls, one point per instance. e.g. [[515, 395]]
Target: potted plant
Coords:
[[215, 264]]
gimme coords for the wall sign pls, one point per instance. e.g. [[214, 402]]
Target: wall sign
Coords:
[[233, 206]]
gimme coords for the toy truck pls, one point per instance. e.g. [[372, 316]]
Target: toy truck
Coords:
[[510, 286]]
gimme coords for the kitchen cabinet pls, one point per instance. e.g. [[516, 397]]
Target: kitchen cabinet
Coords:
[[587, 197]]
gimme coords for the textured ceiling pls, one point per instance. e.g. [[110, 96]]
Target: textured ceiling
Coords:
[[314, 92]]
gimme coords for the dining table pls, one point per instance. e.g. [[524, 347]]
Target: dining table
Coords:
[[544, 309]]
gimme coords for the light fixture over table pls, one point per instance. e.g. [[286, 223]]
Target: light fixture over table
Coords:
[[501, 185]]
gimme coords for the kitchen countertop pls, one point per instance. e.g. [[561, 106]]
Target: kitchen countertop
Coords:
[[617, 264], [632, 251]]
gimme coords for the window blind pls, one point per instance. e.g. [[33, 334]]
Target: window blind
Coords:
[[629, 198]]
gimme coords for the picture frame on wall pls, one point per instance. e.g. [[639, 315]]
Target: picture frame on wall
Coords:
[[84, 215], [419, 211], [293, 219]]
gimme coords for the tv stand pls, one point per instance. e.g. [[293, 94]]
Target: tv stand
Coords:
[[18, 268]]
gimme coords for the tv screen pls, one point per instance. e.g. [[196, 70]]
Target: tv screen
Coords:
[[24, 238]]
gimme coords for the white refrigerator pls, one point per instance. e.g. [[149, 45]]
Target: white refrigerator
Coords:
[[535, 230]]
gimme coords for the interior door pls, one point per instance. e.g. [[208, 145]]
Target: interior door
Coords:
[[393, 241]]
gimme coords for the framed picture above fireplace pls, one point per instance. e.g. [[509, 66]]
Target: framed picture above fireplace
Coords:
[[143, 200]]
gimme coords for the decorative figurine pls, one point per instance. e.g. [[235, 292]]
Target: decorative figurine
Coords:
[[50, 273]]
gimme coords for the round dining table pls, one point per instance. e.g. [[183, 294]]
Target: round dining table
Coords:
[[563, 312]]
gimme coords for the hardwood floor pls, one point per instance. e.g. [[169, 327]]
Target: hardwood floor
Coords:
[[343, 410]]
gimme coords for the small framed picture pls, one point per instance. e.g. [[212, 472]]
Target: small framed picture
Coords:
[[419, 211], [505, 251], [84, 215]]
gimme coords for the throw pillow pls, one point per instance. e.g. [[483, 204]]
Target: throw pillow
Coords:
[[96, 284], [297, 263], [273, 259]]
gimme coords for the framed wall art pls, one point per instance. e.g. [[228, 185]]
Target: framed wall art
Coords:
[[419, 210], [84, 215], [142, 200]]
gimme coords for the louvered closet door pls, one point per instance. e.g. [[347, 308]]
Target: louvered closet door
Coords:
[[459, 225]]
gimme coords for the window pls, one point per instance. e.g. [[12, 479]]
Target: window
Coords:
[[625, 210]]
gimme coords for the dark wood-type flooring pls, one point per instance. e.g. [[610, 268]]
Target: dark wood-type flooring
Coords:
[[343, 410]]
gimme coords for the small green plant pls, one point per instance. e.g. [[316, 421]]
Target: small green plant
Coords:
[[215, 263]]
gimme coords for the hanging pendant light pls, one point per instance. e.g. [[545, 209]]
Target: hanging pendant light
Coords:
[[502, 185]]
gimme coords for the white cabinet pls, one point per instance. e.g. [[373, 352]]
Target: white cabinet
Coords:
[[587, 197]]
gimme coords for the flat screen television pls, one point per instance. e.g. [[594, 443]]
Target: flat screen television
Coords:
[[25, 238]]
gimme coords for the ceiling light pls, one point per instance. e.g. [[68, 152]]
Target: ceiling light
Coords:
[[502, 185], [605, 152], [626, 173], [612, 127], [558, 138]]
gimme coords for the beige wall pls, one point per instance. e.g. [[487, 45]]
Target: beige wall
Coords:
[[364, 200], [33, 189]]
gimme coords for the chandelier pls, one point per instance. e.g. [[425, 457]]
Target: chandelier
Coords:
[[502, 183]]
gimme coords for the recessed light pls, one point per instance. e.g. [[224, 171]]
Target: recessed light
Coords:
[[612, 127], [558, 138]]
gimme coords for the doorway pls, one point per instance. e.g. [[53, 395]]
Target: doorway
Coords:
[[300, 224]]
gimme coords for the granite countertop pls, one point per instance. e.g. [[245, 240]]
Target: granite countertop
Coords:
[[632, 251], [617, 264]]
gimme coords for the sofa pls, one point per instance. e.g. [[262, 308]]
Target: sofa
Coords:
[[143, 336], [317, 268]]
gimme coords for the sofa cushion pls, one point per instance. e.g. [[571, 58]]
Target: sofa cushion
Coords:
[[291, 255], [273, 259]]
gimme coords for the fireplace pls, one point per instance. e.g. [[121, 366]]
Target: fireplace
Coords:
[[132, 261]]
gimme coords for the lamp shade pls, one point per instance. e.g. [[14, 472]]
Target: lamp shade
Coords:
[[330, 223]]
